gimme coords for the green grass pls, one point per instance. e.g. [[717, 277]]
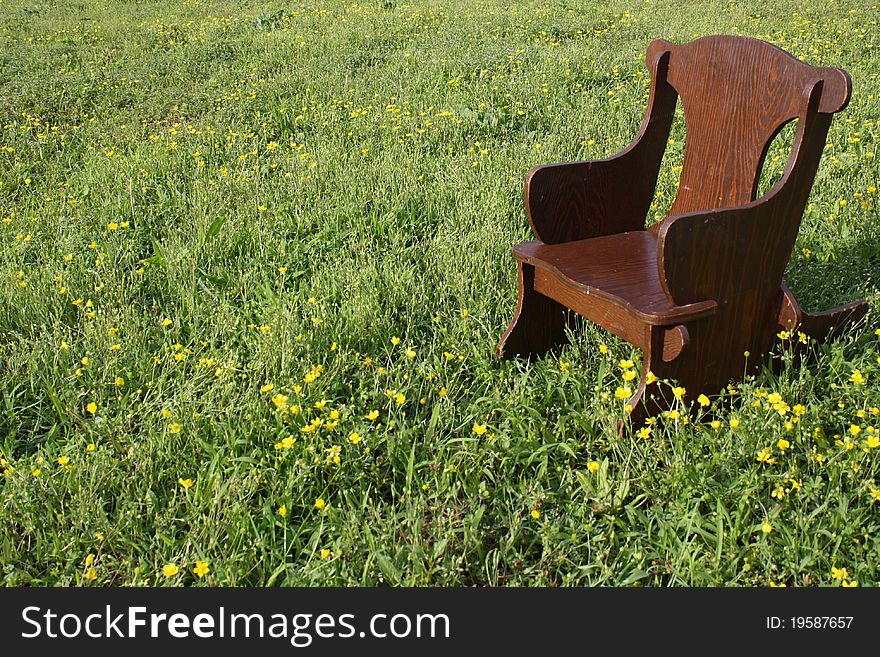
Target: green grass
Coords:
[[203, 199]]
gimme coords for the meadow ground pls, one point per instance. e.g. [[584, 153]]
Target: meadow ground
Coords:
[[255, 261]]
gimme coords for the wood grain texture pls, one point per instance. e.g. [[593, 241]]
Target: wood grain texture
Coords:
[[737, 93], [701, 292], [620, 269], [738, 256]]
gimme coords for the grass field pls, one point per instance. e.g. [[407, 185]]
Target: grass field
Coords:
[[254, 262]]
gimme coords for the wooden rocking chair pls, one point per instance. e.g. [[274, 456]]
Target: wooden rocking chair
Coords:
[[701, 292]]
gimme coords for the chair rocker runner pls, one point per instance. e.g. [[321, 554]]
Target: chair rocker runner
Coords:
[[703, 287]]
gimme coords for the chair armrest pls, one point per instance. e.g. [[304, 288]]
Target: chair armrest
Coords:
[[579, 200], [725, 254]]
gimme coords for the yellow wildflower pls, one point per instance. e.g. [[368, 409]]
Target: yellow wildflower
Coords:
[[839, 573], [623, 393]]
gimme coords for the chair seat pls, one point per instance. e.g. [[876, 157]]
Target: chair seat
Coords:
[[619, 269]]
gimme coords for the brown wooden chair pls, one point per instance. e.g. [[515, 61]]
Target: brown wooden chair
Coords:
[[702, 288]]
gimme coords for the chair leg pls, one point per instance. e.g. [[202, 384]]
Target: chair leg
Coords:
[[829, 323], [638, 409], [647, 401], [538, 325], [822, 325], [685, 366], [698, 366]]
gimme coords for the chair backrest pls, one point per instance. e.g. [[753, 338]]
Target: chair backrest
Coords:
[[737, 94]]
